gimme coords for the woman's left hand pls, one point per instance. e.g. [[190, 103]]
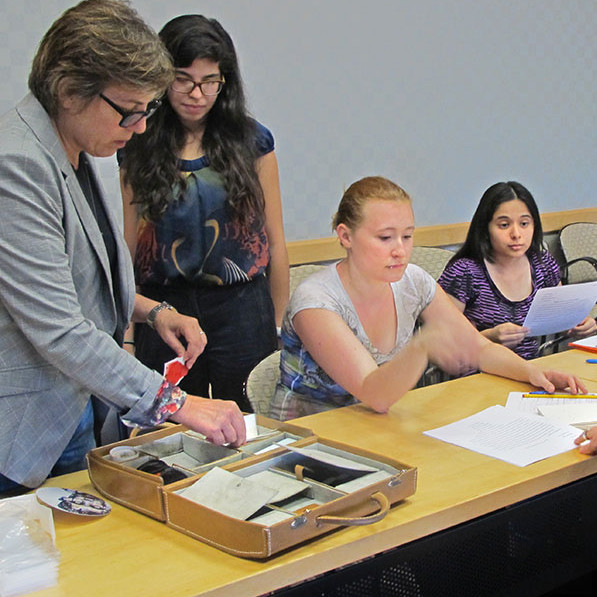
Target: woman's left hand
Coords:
[[171, 326], [556, 380], [587, 327], [589, 435]]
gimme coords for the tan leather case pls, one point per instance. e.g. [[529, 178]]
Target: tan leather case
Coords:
[[143, 491], [332, 507]]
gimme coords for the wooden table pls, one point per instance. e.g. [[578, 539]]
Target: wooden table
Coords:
[[574, 361], [127, 553]]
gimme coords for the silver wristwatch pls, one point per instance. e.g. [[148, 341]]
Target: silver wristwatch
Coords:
[[154, 313]]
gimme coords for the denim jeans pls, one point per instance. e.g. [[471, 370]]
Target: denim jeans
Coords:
[[72, 458], [241, 331]]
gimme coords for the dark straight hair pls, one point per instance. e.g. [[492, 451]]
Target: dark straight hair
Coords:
[[477, 244]]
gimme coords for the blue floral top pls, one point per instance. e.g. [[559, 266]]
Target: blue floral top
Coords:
[[196, 241]]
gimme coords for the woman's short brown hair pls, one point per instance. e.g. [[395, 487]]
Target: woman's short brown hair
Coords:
[[94, 44], [350, 210]]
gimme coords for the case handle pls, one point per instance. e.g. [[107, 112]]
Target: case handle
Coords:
[[384, 507]]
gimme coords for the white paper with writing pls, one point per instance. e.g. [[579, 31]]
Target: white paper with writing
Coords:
[[509, 435], [560, 308]]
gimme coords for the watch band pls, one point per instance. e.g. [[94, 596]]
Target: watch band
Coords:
[[154, 313]]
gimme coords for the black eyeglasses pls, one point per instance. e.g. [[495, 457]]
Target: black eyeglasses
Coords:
[[186, 85], [131, 118]]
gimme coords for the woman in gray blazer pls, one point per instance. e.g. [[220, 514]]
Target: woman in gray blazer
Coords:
[[66, 285]]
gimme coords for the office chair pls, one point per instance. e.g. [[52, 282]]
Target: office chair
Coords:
[[261, 383], [299, 272], [578, 242], [432, 259]]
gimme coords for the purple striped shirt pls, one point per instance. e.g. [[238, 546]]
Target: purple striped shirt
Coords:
[[485, 306]]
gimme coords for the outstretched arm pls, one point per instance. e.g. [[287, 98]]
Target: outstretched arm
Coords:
[[342, 356], [491, 357]]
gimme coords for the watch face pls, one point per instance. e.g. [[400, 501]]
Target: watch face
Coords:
[[151, 316]]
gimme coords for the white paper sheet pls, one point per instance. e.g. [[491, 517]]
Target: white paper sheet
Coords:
[[579, 415], [580, 412], [509, 435], [590, 342], [560, 308], [255, 431], [517, 401], [251, 426]]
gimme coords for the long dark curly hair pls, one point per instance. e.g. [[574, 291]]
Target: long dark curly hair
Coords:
[[150, 161]]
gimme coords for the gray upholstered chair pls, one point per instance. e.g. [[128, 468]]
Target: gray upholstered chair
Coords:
[[578, 246], [578, 243], [261, 383], [299, 272], [432, 259]]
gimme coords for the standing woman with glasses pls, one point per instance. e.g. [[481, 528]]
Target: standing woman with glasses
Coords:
[[67, 289], [203, 215]]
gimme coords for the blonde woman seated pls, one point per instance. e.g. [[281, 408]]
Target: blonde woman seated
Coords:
[[346, 321]]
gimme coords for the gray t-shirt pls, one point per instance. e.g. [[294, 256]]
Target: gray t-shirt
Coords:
[[304, 387]]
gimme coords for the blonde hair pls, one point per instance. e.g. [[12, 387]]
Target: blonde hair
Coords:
[[94, 44], [350, 210]]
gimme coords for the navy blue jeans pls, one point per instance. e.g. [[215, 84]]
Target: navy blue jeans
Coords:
[[71, 460], [241, 331]]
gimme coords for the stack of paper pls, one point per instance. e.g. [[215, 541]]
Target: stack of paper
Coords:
[[28, 556], [516, 437], [580, 415], [580, 412]]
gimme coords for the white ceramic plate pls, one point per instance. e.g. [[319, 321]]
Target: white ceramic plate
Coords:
[[72, 501]]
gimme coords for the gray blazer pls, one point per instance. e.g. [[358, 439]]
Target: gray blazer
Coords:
[[58, 313]]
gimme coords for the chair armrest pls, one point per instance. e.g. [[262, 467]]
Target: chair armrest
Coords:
[[590, 260], [554, 342]]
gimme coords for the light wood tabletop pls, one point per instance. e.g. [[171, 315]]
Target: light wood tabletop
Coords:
[[574, 361], [126, 553]]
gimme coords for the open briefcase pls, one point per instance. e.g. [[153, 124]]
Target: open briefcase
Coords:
[[282, 488]]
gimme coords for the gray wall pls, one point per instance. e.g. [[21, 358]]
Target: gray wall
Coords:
[[443, 96]]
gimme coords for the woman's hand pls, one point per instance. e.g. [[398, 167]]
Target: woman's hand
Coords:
[[589, 435], [171, 326], [221, 421], [587, 327], [509, 334], [556, 380]]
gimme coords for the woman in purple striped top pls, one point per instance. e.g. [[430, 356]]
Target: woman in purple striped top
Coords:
[[495, 275]]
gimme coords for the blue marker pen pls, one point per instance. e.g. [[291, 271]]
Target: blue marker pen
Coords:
[[594, 361]]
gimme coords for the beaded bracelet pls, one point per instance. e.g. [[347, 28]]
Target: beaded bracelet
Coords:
[[168, 400]]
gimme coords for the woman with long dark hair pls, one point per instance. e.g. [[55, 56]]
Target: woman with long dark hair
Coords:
[[495, 275], [203, 214]]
